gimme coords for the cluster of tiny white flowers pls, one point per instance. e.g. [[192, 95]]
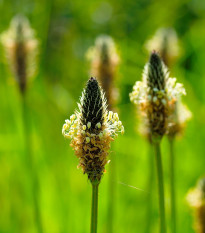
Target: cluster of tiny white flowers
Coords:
[[196, 196], [139, 93], [174, 89], [112, 124], [71, 127], [184, 114]]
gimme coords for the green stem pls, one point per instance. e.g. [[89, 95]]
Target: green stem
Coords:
[[30, 165], [172, 186], [149, 190], [160, 187], [111, 195], [94, 210]]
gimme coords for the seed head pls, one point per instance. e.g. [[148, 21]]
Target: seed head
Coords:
[[91, 130], [93, 105], [155, 95], [196, 200], [21, 50], [104, 61]]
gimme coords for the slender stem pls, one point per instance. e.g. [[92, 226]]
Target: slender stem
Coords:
[[29, 164], [172, 186], [111, 195], [160, 187], [149, 189], [94, 210]]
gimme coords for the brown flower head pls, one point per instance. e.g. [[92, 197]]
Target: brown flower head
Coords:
[[92, 129], [104, 61], [155, 96], [21, 50]]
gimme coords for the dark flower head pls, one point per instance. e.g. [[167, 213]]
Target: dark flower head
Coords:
[[93, 104], [156, 95], [92, 129], [156, 72]]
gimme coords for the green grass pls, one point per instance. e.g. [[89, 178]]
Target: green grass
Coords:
[[66, 29]]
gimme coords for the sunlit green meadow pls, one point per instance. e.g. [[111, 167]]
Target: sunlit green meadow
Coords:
[[66, 29]]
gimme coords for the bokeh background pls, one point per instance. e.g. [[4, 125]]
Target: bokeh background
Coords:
[[66, 29]]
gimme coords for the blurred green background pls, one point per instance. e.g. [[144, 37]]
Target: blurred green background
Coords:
[[66, 29]]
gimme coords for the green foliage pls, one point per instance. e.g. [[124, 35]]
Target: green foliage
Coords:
[[66, 29]]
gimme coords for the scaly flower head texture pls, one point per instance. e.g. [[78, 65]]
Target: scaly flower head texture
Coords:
[[155, 95], [91, 130], [104, 61], [165, 41], [21, 49], [196, 200]]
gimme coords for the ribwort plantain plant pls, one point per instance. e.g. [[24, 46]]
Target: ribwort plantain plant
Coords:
[[104, 63], [21, 50], [166, 42], [91, 130], [154, 96], [196, 200]]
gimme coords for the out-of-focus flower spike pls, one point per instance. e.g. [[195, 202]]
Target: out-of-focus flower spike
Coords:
[[21, 50], [165, 41], [104, 61]]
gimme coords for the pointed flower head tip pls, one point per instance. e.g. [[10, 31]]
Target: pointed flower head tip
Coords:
[[20, 48], [155, 95], [93, 104], [156, 72], [104, 61], [91, 130]]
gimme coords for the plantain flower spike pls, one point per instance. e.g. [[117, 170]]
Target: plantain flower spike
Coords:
[[91, 130], [154, 96], [165, 41], [21, 50], [104, 62], [196, 200]]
